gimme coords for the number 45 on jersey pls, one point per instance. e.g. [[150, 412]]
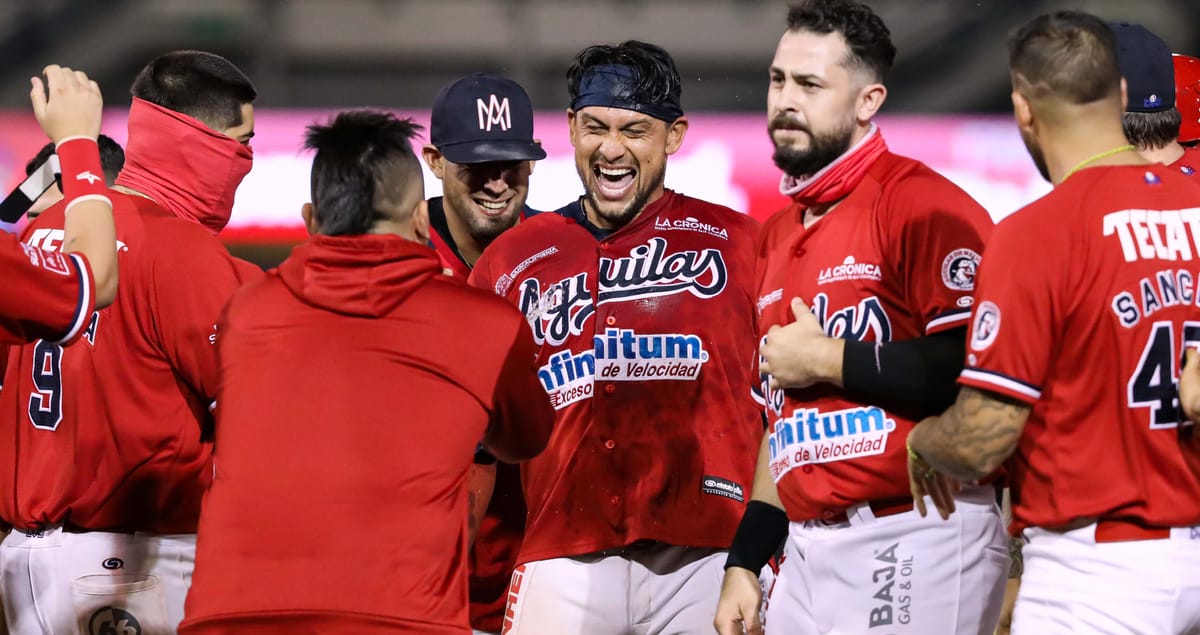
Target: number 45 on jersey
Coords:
[[1155, 383]]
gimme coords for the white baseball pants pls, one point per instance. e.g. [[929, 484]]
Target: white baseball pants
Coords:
[[59, 583], [657, 589], [1072, 584], [900, 574]]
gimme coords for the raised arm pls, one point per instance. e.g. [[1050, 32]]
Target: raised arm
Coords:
[[68, 106]]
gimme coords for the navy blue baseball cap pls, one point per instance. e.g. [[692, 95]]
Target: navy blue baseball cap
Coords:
[[1146, 65], [482, 118]]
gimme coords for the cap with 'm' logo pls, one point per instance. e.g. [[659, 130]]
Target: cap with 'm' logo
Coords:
[[482, 118]]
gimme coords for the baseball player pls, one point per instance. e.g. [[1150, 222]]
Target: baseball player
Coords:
[[1073, 357], [640, 302], [865, 286], [483, 151], [1187, 98], [1152, 122], [108, 442], [48, 294], [387, 440], [112, 157]]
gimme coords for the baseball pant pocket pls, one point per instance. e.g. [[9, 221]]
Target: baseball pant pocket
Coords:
[[120, 605]]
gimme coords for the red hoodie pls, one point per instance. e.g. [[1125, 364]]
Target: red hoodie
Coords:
[[357, 381]]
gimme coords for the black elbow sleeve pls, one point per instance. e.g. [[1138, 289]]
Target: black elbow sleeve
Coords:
[[921, 372]]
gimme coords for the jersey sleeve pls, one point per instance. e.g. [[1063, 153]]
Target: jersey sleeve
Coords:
[[521, 417], [1014, 323], [47, 295], [192, 279], [940, 232]]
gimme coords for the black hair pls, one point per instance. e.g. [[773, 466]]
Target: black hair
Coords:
[[202, 85], [1070, 55], [866, 35], [656, 78], [364, 159], [112, 158], [1152, 130]]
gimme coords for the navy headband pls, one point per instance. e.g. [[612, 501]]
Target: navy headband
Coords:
[[612, 86]]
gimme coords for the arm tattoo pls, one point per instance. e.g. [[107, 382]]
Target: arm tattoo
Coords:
[[1016, 562], [973, 437]]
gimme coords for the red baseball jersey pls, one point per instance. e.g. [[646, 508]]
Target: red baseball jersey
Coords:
[[1189, 163], [643, 337], [109, 434], [895, 260], [1089, 332], [47, 295], [357, 381]]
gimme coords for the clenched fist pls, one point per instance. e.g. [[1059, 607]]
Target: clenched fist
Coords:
[[68, 104]]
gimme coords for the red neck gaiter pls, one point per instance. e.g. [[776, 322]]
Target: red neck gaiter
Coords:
[[183, 165], [834, 181]]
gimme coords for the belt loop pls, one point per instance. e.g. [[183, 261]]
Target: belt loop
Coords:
[[860, 514], [1185, 533]]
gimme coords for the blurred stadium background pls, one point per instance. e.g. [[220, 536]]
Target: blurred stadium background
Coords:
[[948, 95]]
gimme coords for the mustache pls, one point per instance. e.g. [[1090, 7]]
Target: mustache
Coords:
[[784, 122]]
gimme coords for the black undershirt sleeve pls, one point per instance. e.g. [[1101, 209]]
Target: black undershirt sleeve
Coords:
[[920, 373]]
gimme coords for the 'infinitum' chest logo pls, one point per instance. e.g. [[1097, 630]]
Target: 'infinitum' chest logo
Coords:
[[649, 271]]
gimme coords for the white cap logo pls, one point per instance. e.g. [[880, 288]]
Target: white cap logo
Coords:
[[494, 111]]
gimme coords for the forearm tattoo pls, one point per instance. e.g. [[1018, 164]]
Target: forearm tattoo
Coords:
[[1016, 564], [974, 436]]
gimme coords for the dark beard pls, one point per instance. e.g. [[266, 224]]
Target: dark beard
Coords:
[[635, 207], [822, 149], [485, 232], [1039, 159]]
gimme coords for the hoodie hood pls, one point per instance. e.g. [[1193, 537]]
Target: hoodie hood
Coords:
[[365, 275]]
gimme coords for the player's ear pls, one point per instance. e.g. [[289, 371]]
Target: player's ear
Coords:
[[870, 100], [1021, 111], [420, 221], [434, 159], [310, 218], [1124, 94], [533, 164], [571, 127], [676, 131]]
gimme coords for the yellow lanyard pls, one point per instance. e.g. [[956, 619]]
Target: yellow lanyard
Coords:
[[1097, 157]]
